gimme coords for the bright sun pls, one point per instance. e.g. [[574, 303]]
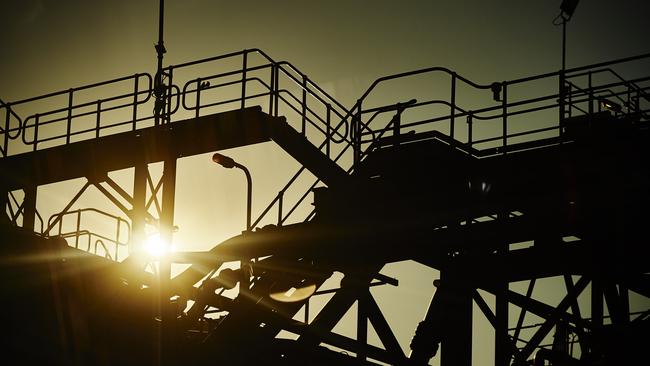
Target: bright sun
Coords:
[[155, 246]]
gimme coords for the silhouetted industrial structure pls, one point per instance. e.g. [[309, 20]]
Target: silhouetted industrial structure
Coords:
[[477, 194]]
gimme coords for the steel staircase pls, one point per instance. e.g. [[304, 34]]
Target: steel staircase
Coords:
[[445, 182]]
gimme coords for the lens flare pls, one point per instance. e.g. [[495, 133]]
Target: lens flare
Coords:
[[156, 247]]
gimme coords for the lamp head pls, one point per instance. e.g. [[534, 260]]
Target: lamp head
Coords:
[[568, 7], [224, 161]]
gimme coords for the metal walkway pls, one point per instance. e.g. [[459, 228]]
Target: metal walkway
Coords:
[[455, 183]]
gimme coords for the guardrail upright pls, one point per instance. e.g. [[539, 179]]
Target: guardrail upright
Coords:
[[243, 79], [504, 105], [453, 105]]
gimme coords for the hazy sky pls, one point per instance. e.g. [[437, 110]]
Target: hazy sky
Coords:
[[50, 45]]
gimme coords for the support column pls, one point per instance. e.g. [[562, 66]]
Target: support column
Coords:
[[502, 345], [362, 324], [138, 213], [4, 201], [29, 207], [456, 345], [166, 230]]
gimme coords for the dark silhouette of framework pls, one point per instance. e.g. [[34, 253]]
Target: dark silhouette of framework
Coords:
[[575, 190]]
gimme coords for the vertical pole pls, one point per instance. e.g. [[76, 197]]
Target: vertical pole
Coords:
[[453, 105], [504, 106], [4, 201], [280, 200], [304, 103], [328, 136], [249, 198], [159, 88], [166, 230], [362, 326], [272, 88], [596, 302], [397, 126], [198, 97], [69, 124], [141, 171], [501, 341], [356, 128], [135, 101], [243, 79], [76, 236], [591, 95], [469, 128], [275, 91], [562, 79], [168, 95], [456, 345], [98, 120], [36, 118], [563, 44], [29, 207], [7, 132]]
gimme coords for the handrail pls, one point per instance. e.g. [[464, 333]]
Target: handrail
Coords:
[[505, 108], [78, 232], [319, 113], [99, 241], [6, 129]]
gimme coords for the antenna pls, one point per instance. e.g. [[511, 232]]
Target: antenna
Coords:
[[159, 84]]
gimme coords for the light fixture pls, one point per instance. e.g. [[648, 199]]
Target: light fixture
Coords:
[[568, 7], [608, 104], [228, 162], [224, 161]]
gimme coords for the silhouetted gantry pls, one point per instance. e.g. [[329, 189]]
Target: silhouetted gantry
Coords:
[[489, 192]]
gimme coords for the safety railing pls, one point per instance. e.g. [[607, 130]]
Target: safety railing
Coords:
[[278, 87], [244, 78], [281, 90], [544, 114], [76, 234], [251, 77], [10, 129]]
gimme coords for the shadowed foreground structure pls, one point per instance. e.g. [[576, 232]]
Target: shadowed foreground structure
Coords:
[[562, 194]]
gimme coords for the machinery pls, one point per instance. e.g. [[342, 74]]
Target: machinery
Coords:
[[489, 185]]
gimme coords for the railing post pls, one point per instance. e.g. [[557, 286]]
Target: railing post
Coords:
[[562, 106], [198, 97], [272, 87], [469, 128], [280, 200], [591, 94], [453, 105], [569, 101], [76, 234], [36, 118], [304, 102], [328, 136], [276, 90], [7, 126], [504, 106], [168, 105], [69, 127], [356, 127], [98, 119], [243, 80], [135, 103]]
